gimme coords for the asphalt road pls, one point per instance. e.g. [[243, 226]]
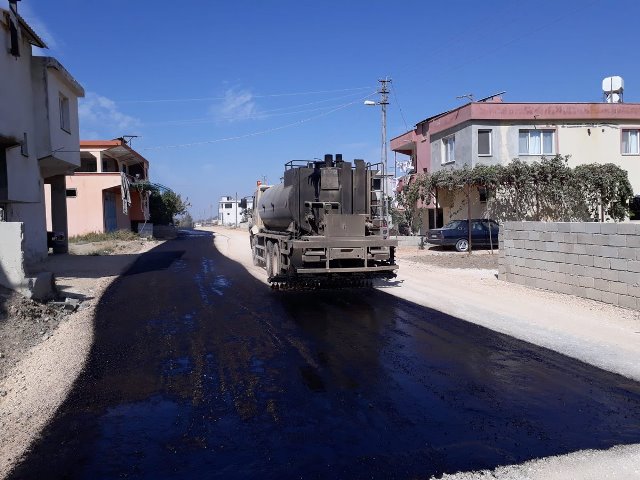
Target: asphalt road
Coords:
[[200, 371]]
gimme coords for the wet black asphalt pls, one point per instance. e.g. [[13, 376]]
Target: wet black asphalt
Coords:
[[198, 370]]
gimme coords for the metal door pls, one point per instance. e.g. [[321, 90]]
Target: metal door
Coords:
[[110, 219]]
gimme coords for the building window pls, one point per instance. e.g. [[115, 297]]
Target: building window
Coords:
[[630, 142], [14, 49], [449, 149], [72, 192], [64, 114], [535, 142], [484, 143], [228, 205], [483, 193]]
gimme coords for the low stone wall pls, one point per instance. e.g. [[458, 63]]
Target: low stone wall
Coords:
[[600, 261], [12, 254], [409, 240]]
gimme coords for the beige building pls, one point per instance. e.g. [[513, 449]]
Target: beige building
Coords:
[[495, 132]]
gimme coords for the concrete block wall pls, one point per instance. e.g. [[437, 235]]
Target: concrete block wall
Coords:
[[39, 286], [599, 261]]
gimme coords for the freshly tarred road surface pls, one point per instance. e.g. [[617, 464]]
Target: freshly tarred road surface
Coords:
[[200, 371]]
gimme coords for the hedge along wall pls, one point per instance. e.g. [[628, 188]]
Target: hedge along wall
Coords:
[[599, 261]]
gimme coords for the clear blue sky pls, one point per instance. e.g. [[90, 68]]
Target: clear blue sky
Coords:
[[179, 72]]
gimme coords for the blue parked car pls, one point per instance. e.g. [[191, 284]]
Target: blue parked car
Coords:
[[456, 234]]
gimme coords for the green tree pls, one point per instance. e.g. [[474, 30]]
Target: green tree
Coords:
[[413, 199], [165, 206], [605, 189], [547, 190], [186, 221]]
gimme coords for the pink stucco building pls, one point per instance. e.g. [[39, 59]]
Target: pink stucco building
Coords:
[[95, 191]]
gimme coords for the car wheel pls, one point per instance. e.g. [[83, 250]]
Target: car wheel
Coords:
[[462, 245]]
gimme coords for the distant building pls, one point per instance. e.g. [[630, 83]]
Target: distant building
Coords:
[[101, 194], [495, 132], [229, 212]]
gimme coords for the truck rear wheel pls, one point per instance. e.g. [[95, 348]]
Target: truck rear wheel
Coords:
[[254, 251]]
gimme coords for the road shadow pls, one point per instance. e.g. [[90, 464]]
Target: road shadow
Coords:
[[199, 370], [86, 266]]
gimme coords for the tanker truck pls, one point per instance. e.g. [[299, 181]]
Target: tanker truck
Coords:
[[323, 225]]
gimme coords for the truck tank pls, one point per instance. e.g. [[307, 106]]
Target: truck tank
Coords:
[[276, 207], [313, 190]]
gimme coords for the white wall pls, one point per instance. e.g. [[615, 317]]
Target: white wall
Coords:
[[25, 185], [29, 92], [11, 256], [599, 144], [227, 216], [16, 119], [15, 89], [48, 84]]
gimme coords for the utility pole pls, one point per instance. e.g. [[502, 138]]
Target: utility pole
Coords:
[[384, 101], [236, 209]]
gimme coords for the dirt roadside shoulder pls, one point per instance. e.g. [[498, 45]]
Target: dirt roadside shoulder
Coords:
[[40, 377]]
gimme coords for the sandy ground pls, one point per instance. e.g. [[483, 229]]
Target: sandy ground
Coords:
[[42, 368], [593, 332]]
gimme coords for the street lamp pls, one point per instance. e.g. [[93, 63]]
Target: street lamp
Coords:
[[384, 101]]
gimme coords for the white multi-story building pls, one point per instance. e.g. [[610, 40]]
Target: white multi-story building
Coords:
[[39, 140], [229, 212]]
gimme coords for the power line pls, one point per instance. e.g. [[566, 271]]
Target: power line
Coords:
[[395, 96], [257, 115], [262, 132], [200, 99]]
